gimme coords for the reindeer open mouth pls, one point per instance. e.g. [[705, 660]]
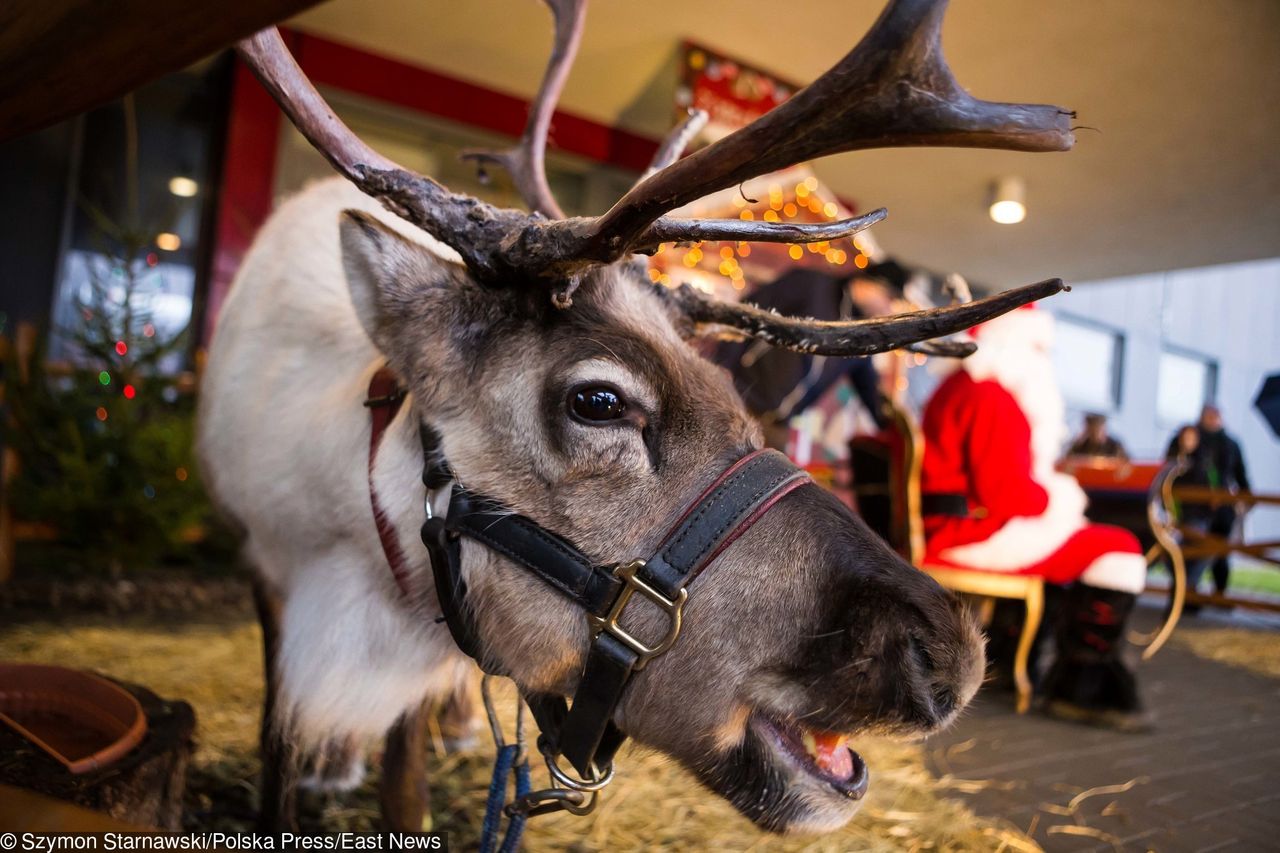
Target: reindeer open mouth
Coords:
[[823, 755], [787, 777], [826, 756]]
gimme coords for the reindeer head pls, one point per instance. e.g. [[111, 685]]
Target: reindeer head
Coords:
[[592, 414]]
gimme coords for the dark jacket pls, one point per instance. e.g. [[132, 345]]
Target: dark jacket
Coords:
[[1195, 474], [778, 384], [1224, 460], [1219, 458]]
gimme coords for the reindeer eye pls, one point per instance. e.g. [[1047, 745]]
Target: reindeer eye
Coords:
[[596, 403]]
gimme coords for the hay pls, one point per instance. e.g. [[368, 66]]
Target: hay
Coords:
[[215, 665], [1257, 650]]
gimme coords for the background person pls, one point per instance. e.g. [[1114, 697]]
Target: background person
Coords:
[[1217, 462], [1184, 449], [1094, 440]]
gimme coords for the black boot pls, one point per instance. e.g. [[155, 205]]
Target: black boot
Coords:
[[1088, 681]]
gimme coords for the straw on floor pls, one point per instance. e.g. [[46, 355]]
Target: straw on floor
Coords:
[[215, 665]]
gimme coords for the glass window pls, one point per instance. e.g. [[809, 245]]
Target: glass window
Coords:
[[1187, 381], [1088, 361], [135, 246]]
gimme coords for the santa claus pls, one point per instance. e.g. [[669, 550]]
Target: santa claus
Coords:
[[993, 431]]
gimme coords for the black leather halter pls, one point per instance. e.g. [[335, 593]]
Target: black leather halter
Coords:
[[584, 732]]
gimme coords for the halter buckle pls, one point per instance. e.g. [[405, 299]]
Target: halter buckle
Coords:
[[673, 607]]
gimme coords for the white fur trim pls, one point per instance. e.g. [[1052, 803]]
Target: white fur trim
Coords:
[[1023, 542], [1015, 350], [1117, 570]]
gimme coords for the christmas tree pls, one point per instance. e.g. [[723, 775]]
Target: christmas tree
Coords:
[[105, 438]]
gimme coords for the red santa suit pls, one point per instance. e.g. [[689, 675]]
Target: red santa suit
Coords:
[[993, 431]]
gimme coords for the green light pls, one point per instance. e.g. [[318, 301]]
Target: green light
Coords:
[[104, 378]]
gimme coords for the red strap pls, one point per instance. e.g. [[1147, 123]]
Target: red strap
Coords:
[[383, 403]]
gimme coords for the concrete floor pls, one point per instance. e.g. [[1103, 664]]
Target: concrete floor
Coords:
[[1208, 777]]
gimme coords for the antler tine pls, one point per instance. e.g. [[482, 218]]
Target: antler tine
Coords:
[[526, 162], [893, 89], [668, 230], [944, 349], [676, 141], [857, 337]]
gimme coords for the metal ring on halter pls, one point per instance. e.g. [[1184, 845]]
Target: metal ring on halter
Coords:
[[430, 498], [587, 786], [495, 726]]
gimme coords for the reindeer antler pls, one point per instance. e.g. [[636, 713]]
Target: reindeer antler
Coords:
[[859, 337], [526, 163], [894, 88], [467, 224]]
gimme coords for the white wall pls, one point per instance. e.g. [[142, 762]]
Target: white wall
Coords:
[[1228, 313]]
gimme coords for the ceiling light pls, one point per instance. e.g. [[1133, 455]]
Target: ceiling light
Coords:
[[168, 241], [183, 187], [1008, 201]]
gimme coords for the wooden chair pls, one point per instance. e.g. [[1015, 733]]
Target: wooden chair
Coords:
[[887, 486]]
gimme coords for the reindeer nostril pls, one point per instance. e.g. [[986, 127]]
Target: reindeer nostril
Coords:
[[940, 694], [922, 657]]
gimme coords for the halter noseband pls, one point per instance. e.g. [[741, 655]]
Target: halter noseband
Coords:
[[584, 732]]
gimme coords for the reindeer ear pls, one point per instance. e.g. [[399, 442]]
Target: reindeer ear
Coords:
[[408, 289], [379, 265]]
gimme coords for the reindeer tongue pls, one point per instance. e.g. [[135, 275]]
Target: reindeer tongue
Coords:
[[830, 753]]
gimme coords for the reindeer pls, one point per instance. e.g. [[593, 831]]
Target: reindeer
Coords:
[[539, 367]]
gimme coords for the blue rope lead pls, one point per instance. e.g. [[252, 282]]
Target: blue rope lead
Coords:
[[503, 767], [515, 824]]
